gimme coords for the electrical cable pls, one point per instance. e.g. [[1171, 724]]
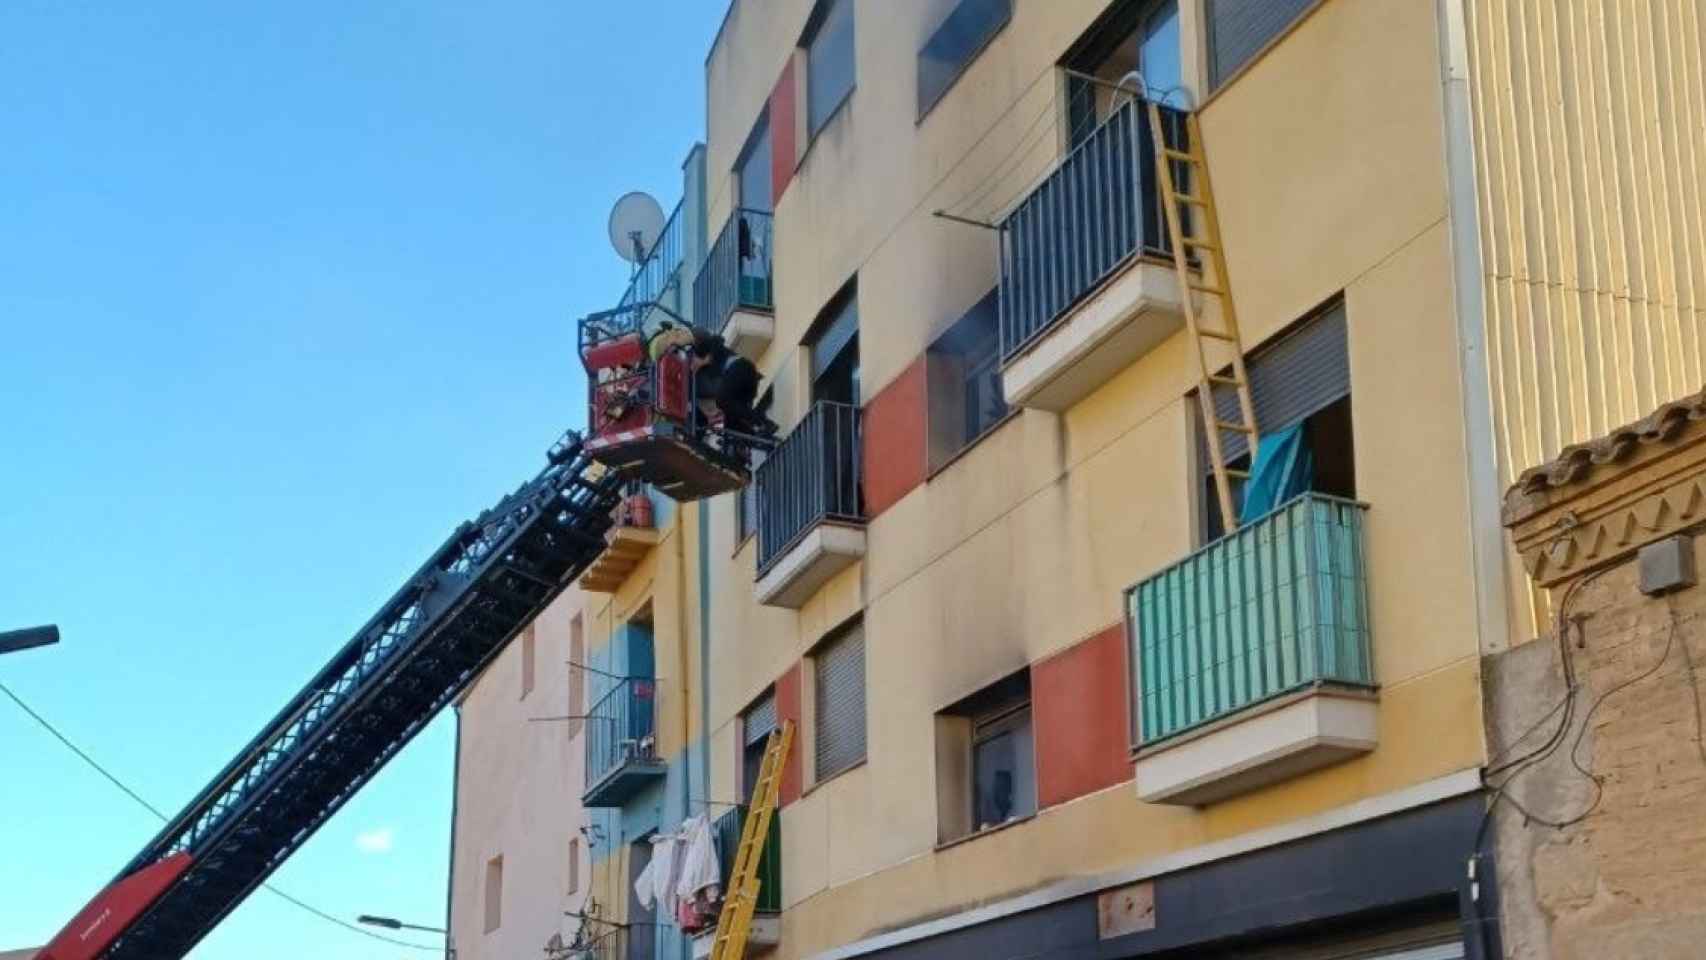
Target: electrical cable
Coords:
[[132, 794]]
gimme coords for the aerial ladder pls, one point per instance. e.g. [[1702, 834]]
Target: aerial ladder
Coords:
[[1193, 191], [426, 644], [734, 922]]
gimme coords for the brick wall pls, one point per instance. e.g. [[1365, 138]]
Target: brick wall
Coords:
[[1601, 843]]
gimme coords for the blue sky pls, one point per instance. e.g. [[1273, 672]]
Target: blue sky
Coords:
[[284, 295]]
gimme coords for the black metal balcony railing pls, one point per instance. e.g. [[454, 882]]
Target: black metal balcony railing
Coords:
[[621, 730], [662, 265], [727, 830], [604, 945], [737, 271], [1095, 211], [812, 476]]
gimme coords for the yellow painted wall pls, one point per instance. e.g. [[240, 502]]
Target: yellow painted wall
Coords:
[[1328, 159], [1590, 147]]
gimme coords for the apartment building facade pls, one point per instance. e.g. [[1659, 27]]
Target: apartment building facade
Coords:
[[1047, 704]]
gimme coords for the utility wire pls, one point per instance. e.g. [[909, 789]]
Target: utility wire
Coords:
[[132, 794]]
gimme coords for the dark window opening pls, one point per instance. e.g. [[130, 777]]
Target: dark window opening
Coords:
[[834, 352], [1300, 380], [963, 381], [986, 775], [1138, 36], [966, 31]]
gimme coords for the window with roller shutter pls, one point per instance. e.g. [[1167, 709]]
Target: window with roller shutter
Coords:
[[1239, 29], [839, 683], [1303, 375], [756, 725]]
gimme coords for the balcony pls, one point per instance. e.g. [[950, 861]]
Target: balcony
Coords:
[[621, 744], [1252, 656], [811, 517], [605, 943], [1087, 285], [766, 929], [629, 540], [733, 293]]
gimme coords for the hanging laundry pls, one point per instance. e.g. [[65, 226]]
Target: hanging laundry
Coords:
[[1284, 468]]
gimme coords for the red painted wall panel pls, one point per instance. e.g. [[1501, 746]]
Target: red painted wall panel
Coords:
[[1079, 710], [788, 707], [783, 145], [895, 440]]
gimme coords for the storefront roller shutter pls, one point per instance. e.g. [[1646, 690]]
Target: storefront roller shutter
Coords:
[[839, 675], [760, 720], [1297, 375], [1238, 29]]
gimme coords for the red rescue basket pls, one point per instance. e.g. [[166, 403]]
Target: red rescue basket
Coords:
[[644, 418]]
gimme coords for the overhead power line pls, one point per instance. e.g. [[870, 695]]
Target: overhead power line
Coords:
[[133, 795]]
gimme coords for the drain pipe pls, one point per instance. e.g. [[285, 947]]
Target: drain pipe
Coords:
[[450, 878], [704, 647]]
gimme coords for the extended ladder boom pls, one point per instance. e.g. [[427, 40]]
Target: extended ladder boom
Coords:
[[426, 644]]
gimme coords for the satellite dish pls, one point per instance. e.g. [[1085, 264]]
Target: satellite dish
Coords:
[[636, 222]]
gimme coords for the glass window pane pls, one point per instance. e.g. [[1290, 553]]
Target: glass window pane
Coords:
[[753, 176], [955, 44], [1003, 772], [829, 64], [1158, 55]]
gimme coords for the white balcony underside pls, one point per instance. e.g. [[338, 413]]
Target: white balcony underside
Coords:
[[1128, 317], [1263, 745], [749, 332], [826, 550]]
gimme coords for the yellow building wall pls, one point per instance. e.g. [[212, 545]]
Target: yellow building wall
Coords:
[[1590, 148], [1328, 160]]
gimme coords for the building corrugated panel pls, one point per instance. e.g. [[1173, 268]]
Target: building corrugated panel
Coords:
[[1590, 142]]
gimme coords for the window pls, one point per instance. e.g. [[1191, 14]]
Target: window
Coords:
[[1300, 381], [963, 381], [755, 727], [574, 880], [527, 663], [1003, 769], [986, 761], [829, 61], [1139, 36], [577, 673], [834, 351], [1239, 29], [838, 673], [955, 44], [752, 172], [494, 893]]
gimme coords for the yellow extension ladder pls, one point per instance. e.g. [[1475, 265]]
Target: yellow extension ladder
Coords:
[[1213, 282], [741, 898]]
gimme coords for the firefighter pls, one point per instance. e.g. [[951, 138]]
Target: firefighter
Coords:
[[731, 381]]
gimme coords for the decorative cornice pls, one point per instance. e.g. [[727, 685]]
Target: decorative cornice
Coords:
[[1601, 500]]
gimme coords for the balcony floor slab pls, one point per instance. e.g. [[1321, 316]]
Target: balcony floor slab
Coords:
[[1265, 744], [1130, 315], [824, 551]]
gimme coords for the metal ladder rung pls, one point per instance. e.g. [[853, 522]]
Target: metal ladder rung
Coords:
[[1216, 334], [1179, 155], [1240, 474], [1198, 242], [1216, 378], [1190, 198], [1229, 425], [1205, 288]]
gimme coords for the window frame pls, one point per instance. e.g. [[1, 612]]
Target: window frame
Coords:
[[972, 56], [1000, 722], [493, 896], [820, 20]]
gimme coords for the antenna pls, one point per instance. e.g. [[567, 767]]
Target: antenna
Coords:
[[636, 222]]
